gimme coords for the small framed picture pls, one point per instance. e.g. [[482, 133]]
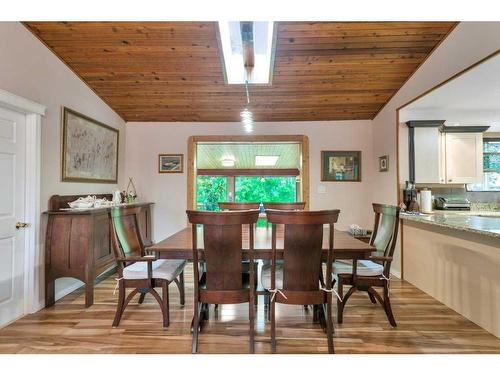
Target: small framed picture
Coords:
[[170, 163], [383, 163], [341, 166]]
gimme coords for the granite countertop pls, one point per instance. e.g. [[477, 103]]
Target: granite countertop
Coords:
[[480, 222]]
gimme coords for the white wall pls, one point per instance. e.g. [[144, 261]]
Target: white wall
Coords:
[[468, 43], [169, 191], [31, 70]]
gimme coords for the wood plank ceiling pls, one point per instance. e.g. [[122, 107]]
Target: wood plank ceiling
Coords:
[[209, 155], [172, 71]]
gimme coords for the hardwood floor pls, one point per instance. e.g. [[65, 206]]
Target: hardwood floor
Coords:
[[424, 326]]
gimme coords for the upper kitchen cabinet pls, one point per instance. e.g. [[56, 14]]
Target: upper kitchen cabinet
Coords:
[[429, 156], [464, 158], [445, 155]]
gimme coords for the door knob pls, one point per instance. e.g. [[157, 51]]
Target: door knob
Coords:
[[21, 225]]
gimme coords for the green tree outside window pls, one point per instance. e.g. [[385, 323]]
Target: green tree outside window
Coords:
[[209, 191], [265, 189]]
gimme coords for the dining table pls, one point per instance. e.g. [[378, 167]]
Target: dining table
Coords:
[[345, 247]]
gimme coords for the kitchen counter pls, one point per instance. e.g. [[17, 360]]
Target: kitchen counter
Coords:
[[454, 257], [479, 222]]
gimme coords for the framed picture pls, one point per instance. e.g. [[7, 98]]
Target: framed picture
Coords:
[[170, 163], [341, 166], [89, 149], [383, 163]]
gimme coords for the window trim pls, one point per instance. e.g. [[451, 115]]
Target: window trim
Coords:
[[233, 172]]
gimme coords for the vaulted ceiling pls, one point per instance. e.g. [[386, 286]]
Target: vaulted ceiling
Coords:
[[172, 71]]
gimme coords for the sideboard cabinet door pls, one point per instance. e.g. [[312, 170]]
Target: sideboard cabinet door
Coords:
[[103, 255]]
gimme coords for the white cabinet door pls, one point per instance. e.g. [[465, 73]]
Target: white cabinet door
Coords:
[[429, 166], [464, 158], [12, 185]]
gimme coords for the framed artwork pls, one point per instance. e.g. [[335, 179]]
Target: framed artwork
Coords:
[[341, 166], [383, 163], [89, 149], [170, 163]]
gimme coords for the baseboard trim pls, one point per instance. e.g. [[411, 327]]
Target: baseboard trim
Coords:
[[396, 274]]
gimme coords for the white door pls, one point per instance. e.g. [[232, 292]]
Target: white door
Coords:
[[12, 193], [464, 158]]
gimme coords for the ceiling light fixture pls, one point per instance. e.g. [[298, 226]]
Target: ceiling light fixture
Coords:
[[227, 162], [266, 161]]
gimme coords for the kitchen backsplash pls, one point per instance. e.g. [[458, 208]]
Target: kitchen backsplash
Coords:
[[479, 200]]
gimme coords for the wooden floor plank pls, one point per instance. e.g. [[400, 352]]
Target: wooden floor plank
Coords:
[[424, 326]]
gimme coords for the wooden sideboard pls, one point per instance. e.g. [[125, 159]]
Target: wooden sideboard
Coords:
[[78, 243]]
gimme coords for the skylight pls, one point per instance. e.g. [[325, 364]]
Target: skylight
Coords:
[[266, 161], [247, 48]]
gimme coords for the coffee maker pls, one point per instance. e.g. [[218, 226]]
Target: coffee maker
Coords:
[[409, 194]]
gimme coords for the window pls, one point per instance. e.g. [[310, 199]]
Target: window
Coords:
[[265, 188], [213, 189], [209, 191], [491, 167]]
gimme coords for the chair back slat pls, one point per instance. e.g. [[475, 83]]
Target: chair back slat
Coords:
[[302, 256], [303, 242], [238, 206], [126, 238], [385, 231], [223, 256], [284, 205], [223, 244]]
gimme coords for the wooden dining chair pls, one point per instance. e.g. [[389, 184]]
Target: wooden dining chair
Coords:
[[298, 280], [374, 272], [222, 278], [138, 270], [284, 205], [289, 206], [238, 206]]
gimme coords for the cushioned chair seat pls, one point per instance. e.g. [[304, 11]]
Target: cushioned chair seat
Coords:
[[365, 268], [265, 276], [166, 269]]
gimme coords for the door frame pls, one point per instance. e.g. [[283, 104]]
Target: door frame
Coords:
[[191, 162], [33, 112]]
